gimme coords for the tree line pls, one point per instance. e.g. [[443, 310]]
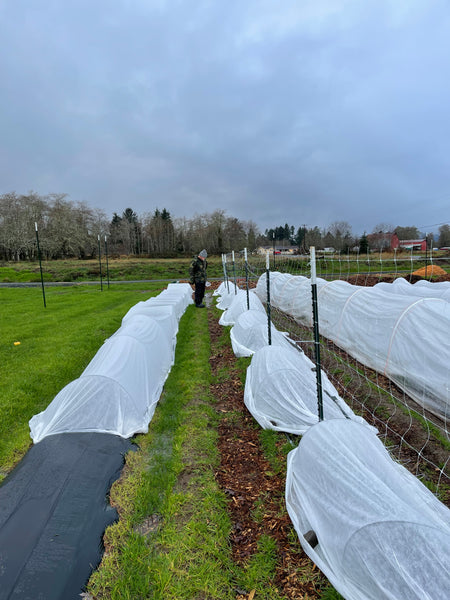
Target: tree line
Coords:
[[340, 238], [70, 229]]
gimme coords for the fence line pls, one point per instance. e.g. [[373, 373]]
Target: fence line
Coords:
[[415, 437], [356, 268]]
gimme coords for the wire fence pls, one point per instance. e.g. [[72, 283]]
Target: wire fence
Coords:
[[366, 268], [416, 437]]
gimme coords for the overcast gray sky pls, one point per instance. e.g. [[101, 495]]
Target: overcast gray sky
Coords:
[[306, 111]]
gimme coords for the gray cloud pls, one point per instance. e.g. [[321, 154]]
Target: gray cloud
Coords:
[[300, 112]]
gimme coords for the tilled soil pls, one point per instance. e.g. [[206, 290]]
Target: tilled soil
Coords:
[[255, 491], [370, 280]]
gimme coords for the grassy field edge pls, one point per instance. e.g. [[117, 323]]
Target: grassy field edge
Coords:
[[172, 537]]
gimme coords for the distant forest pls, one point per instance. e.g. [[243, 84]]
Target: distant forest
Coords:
[[70, 229]]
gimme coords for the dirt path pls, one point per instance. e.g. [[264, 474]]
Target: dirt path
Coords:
[[255, 491]]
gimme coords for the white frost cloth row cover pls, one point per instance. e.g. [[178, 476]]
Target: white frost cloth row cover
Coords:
[[380, 533], [280, 387], [118, 391], [399, 329]]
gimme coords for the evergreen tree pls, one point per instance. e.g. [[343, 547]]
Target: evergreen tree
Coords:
[[132, 233], [299, 239], [363, 244]]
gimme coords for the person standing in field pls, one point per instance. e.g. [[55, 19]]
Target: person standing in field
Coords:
[[197, 272]]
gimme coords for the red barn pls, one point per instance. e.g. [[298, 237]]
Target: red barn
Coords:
[[420, 245], [389, 241]]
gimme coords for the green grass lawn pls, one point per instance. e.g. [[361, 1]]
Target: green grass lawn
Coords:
[[172, 540], [56, 344]]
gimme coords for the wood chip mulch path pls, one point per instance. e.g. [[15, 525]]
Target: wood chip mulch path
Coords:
[[256, 494]]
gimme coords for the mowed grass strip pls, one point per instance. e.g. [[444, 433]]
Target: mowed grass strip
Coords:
[[172, 538], [119, 269], [56, 345]]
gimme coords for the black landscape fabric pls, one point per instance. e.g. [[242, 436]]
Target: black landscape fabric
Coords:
[[53, 512]]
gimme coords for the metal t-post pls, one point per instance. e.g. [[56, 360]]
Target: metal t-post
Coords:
[[40, 264], [107, 263], [246, 278], [273, 237], [234, 272], [316, 333], [225, 274], [430, 254], [100, 262], [269, 328]]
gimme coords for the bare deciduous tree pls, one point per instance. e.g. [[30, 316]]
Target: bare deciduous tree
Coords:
[[444, 236]]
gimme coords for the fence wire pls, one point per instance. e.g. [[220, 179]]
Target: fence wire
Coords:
[[415, 437]]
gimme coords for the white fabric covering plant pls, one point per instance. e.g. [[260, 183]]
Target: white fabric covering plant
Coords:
[[118, 391], [382, 535], [179, 299], [402, 333], [226, 291], [281, 391], [420, 289], [225, 300], [221, 289], [163, 314], [251, 332], [184, 290], [238, 305]]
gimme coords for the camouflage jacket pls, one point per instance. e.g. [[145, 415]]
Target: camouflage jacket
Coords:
[[197, 270]]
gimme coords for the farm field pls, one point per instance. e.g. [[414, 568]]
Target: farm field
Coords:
[[144, 269], [120, 269], [210, 518], [238, 538]]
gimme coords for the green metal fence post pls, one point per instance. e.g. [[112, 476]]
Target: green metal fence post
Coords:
[[269, 327], [246, 278], [316, 332], [40, 264], [100, 262], [273, 238], [107, 262], [225, 274], [234, 271]]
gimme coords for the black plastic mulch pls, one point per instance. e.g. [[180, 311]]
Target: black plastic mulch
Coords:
[[53, 512]]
